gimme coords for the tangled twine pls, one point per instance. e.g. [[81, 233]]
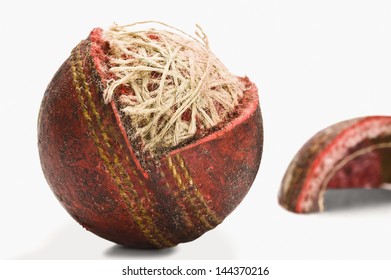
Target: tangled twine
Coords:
[[168, 85]]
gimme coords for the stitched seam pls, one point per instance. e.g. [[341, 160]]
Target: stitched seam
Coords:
[[188, 195], [135, 204], [209, 212], [176, 194]]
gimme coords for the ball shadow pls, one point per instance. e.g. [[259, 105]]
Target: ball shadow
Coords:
[[70, 242], [118, 251], [355, 199], [208, 247]]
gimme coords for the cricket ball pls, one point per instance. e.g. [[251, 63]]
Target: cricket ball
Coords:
[[157, 156], [354, 153]]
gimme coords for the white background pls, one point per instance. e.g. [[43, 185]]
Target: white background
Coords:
[[315, 63]]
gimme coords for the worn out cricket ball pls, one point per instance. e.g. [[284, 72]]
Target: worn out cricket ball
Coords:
[[146, 139], [355, 153]]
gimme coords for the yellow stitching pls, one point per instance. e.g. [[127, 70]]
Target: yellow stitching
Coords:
[[92, 104], [196, 191], [127, 180], [105, 136], [131, 204], [175, 192], [189, 197], [102, 129], [184, 169]]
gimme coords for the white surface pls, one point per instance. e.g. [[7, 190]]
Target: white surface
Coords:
[[315, 63]]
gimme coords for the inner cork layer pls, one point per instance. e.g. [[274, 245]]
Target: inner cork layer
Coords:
[[369, 167], [243, 104]]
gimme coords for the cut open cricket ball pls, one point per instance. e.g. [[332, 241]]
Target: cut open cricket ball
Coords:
[[146, 138], [354, 153]]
